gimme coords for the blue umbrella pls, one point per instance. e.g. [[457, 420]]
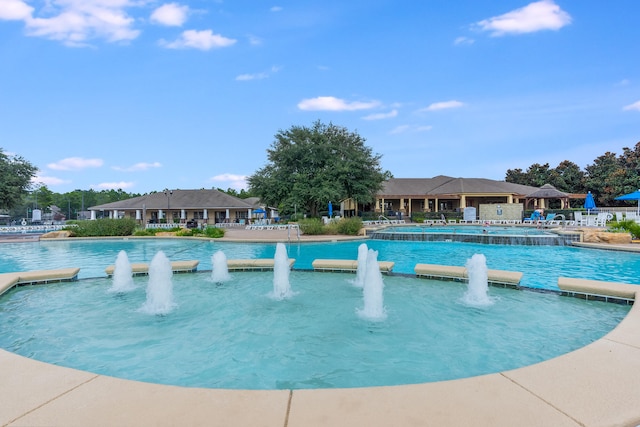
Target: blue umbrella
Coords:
[[632, 196], [330, 209], [589, 202]]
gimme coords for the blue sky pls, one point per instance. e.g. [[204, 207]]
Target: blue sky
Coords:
[[144, 95]]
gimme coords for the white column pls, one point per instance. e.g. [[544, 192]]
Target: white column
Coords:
[[227, 214], [183, 214], [115, 214], [206, 214], [138, 214], [160, 214], [93, 215]]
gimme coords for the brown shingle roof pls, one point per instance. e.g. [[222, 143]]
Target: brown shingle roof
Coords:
[[446, 185], [180, 199]]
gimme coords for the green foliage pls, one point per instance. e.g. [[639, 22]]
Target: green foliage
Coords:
[[349, 226], [214, 232], [417, 216], [15, 178], [141, 232], [103, 227], [608, 177], [308, 167], [626, 226], [311, 226]]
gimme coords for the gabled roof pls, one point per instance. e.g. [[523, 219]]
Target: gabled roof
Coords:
[[179, 199], [446, 185], [547, 191]]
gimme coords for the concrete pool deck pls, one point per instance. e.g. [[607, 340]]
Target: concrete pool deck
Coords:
[[597, 385]]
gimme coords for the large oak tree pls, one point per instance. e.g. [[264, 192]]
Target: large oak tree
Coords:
[[308, 167]]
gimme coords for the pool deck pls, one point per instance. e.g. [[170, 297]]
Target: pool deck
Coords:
[[597, 385]]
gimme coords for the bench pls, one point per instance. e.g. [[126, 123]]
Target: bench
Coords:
[[598, 290], [257, 264], [345, 265], [141, 269], [9, 280], [449, 272]]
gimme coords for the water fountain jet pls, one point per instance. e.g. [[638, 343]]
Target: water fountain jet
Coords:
[[373, 290], [220, 273], [478, 287], [281, 270], [122, 275], [160, 287], [362, 265]]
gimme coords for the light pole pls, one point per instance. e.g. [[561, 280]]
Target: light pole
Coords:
[[168, 193]]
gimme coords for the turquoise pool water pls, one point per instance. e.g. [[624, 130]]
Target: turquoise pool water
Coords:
[[235, 336], [541, 265]]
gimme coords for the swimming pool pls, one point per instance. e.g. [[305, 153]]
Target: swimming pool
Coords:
[[541, 265], [236, 336]]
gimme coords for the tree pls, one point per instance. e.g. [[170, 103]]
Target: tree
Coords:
[[568, 177], [15, 179], [604, 178], [309, 167]]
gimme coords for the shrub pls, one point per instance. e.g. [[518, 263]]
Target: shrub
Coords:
[[349, 226], [311, 226], [145, 232], [103, 227], [214, 232], [627, 226]]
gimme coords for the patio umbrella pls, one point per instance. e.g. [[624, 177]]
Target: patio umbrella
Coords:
[[260, 211], [632, 196], [330, 209], [589, 202]]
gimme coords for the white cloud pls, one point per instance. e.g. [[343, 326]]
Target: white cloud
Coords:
[[330, 103], [203, 40], [408, 128], [380, 116], [463, 41], [276, 9], [632, 107], [536, 16], [138, 167], [237, 182], [258, 76], [75, 22], [170, 14], [443, 106], [113, 185], [49, 181], [75, 163], [17, 10], [400, 129]]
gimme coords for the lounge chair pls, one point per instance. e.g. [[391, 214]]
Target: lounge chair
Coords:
[[602, 218], [579, 219], [533, 219]]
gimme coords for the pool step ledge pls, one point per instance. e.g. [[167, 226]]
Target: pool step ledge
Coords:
[[258, 264], [9, 280], [141, 269], [598, 290], [346, 265], [450, 272]]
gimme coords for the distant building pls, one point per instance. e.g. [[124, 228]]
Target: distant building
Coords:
[[446, 194], [184, 206]]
